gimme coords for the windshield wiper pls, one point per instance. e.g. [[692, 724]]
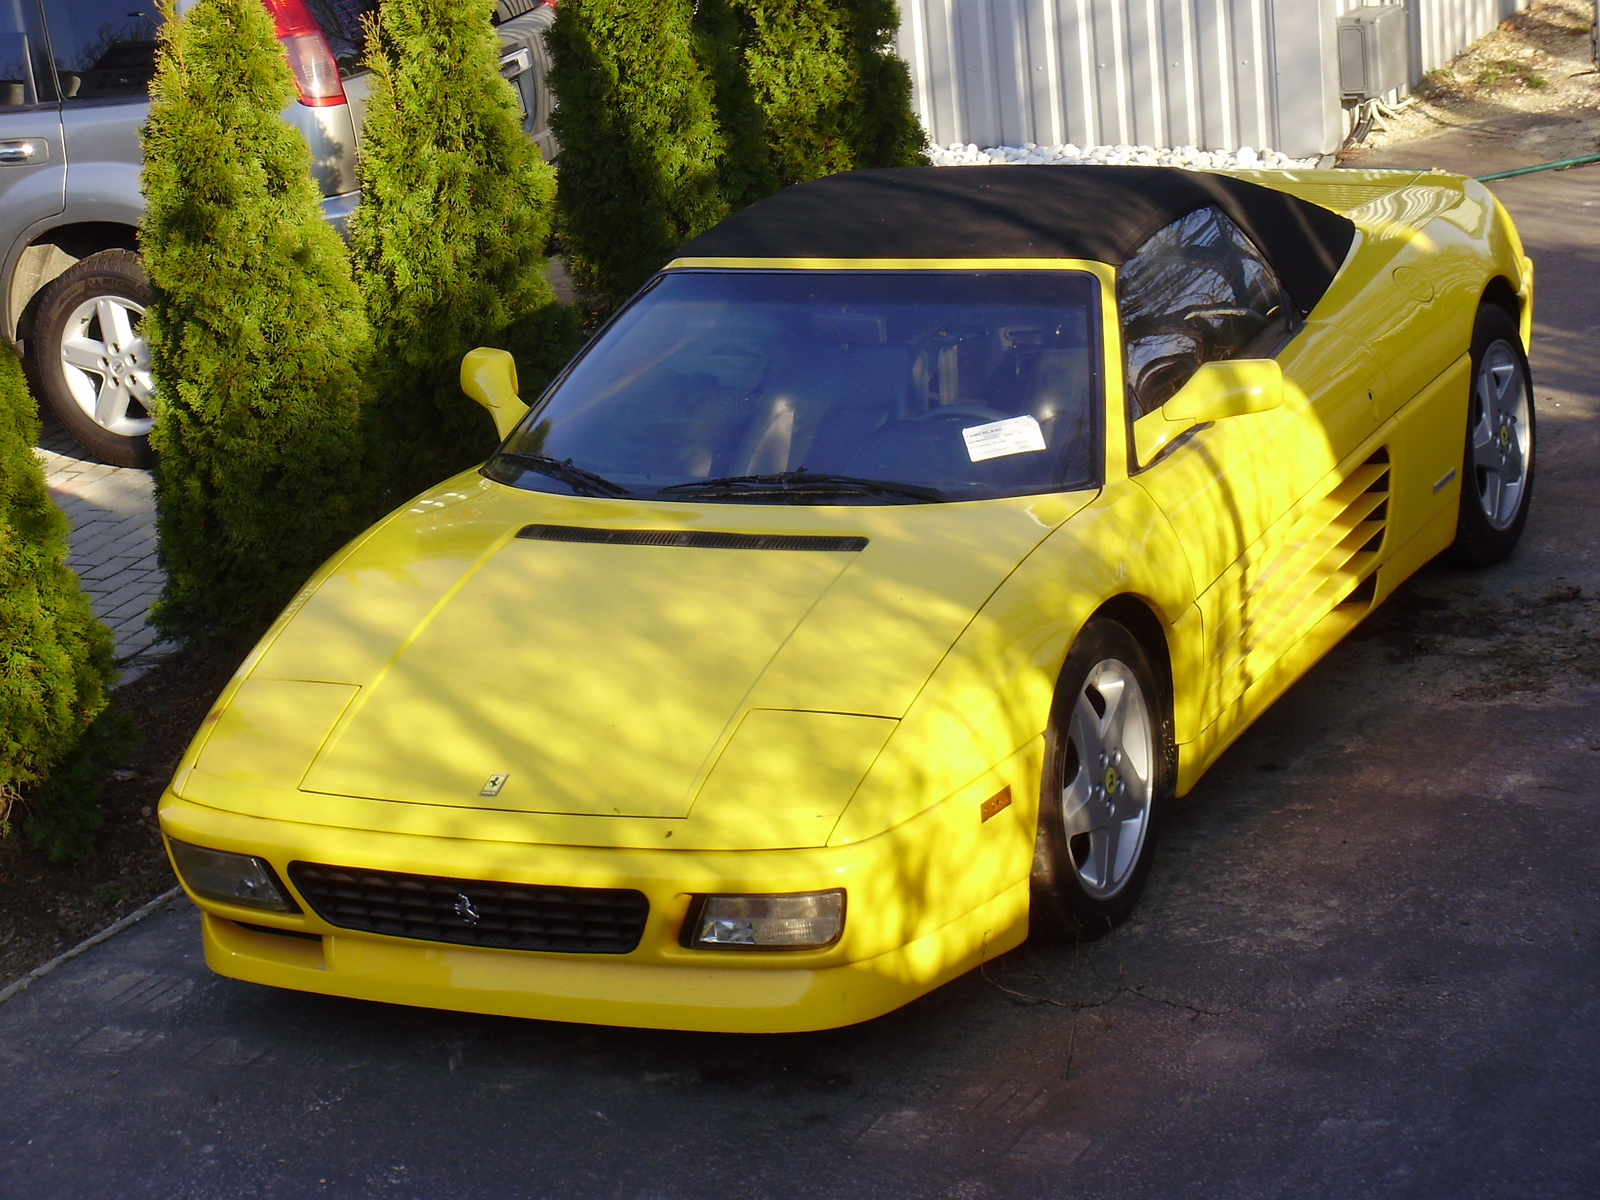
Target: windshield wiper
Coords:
[[585, 483], [803, 482]]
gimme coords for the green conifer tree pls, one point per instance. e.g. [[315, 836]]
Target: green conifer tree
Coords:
[[450, 237], [55, 658], [641, 150], [257, 331], [887, 131], [746, 172], [834, 94]]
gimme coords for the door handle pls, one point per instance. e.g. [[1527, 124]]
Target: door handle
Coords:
[[24, 151], [515, 63]]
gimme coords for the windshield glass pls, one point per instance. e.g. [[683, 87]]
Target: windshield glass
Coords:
[[813, 387]]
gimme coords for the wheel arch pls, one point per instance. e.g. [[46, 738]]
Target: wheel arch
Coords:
[[49, 253], [1502, 293]]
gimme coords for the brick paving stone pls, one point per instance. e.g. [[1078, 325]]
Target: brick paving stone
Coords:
[[113, 542]]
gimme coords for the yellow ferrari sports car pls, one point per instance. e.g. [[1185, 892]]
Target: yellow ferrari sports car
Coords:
[[854, 601]]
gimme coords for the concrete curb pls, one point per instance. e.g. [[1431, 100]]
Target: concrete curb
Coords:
[[109, 931]]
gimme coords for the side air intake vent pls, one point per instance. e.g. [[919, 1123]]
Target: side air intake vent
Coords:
[[701, 539], [1329, 558]]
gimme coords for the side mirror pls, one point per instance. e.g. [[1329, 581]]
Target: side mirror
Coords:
[[1227, 389], [1216, 391], [490, 377]]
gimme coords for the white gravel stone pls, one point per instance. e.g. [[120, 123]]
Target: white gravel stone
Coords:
[[1244, 158]]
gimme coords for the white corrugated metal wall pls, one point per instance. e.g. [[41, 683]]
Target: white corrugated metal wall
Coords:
[[1441, 29], [1211, 73]]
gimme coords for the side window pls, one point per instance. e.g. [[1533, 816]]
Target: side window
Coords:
[[103, 49], [1196, 291], [341, 23], [24, 69]]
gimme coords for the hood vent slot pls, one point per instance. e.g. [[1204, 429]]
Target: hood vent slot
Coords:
[[701, 539]]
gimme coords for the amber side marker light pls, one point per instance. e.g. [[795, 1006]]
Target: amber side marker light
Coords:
[[232, 878], [995, 803], [801, 921]]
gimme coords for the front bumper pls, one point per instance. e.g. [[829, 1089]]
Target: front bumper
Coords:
[[928, 901]]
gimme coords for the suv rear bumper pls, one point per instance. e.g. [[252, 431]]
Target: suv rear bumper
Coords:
[[336, 210]]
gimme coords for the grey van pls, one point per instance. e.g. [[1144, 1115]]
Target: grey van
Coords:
[[74, 76]]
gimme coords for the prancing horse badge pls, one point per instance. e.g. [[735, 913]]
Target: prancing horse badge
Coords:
[[495, 783]]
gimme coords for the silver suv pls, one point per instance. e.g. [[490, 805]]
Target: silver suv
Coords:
[[73, 81]]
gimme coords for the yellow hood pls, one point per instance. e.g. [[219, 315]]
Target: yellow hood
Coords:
[[605, 679]]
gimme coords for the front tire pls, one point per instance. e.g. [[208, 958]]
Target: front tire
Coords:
[[93, 365], [1497, 468], [1108, 765]]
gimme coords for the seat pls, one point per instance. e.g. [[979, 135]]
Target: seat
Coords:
[[829, 402]]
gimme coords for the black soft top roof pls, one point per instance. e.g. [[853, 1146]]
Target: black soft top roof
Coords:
[[1098, 213]]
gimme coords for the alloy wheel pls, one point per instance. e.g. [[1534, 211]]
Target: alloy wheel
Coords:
[[1502, 449], [1110, 771], [107, 364]]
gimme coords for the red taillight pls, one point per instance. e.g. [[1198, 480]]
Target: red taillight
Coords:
[[316, 75]]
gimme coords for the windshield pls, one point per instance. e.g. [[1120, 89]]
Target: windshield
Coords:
[[811, 387]]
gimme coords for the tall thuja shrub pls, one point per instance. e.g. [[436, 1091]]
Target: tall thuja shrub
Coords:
[[55, 658], [833, 94], [641, 151], [745, 173], [885, 129], [257, 331], [450, 237]]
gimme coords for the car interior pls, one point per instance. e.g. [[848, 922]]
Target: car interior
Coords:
[[698, 388]]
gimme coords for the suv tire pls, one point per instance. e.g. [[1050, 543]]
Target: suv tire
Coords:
[[93, 367]]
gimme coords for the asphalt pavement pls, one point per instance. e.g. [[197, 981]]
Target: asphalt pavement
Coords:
[[1368, 964]]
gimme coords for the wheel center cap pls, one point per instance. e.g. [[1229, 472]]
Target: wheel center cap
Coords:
[[1505, 435], [1111, 780]]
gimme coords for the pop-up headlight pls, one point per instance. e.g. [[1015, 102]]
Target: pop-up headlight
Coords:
[[805, 921], [231, 878]]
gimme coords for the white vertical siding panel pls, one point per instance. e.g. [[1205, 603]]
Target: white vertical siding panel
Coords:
[[1146, 122], [1212, 65], [1166, 72], [974, 51], [1178, 69], [1053, 85], [1083, 119]]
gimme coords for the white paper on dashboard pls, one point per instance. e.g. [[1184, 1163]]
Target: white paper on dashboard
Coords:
[[1014, 435]]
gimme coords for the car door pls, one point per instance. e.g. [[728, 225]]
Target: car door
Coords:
[[1257, 500], [33, 171], [104, 54]]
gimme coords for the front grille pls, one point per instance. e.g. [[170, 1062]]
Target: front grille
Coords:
[[473, 912]]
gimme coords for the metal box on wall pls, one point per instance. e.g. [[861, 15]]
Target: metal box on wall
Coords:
[[1374, 51]]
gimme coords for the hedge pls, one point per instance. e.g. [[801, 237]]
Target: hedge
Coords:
[[641, 148], [673, 114], [257, 332], [55, 658], [449, 240]]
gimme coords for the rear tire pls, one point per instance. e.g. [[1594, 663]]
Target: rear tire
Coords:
[[93, 366], [1108, 766], [1497, 465]]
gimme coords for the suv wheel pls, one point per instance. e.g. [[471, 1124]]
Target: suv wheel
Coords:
[[94, 368]]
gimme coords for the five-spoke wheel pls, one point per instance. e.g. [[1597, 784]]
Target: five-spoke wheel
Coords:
[[1497, 471], [93, 364], [107, 366], [1109, 772], [1108, 765]]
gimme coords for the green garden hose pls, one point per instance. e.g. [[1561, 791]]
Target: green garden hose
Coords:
[[1561, 164]]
